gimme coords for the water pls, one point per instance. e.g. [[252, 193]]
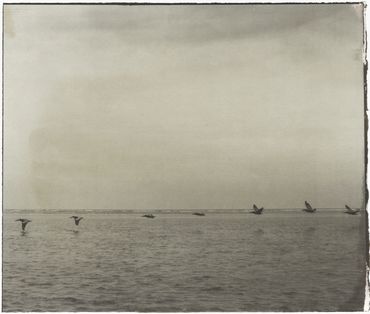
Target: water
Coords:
[[279, 261]]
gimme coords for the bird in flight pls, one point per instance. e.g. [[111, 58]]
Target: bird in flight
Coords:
[[24, 223], [351, 211], [77, 219], [148, 216], [256, 210], [308, 208]]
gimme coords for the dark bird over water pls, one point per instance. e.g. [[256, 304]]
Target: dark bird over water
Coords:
[[77, 219], [199, 214], [148, 216], [256, 210], [351, 211], [24, 223], [308, 208]]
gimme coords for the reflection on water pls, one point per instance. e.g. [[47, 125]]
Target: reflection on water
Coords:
[[273, 262]]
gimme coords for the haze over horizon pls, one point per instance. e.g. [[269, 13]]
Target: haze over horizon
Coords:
[[183, 107]]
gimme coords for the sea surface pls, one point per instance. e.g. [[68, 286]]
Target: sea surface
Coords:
[[278, 261]]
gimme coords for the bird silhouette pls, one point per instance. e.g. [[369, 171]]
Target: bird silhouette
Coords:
[[77, 219], [256, 210], [24, 223], [308, 208], [351, 211], [148, 216]]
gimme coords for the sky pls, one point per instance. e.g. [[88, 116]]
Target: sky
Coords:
[[183, 106]]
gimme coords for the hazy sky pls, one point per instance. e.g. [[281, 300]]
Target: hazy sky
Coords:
[[183, 106]]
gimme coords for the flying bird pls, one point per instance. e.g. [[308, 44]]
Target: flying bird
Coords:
[[24, 223], [256, 210], [77, 219], [308, 208], [198, 214], [148, 216], [351, 211]]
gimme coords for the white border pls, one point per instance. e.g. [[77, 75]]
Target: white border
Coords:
[[366, 36]]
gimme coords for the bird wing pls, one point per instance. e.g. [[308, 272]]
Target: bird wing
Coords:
[[308, 206], [24, 224], [352, 210], [255, 207]]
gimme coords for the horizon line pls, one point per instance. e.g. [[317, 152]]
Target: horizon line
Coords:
[[140, 209]]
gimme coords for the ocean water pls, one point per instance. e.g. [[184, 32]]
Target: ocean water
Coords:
[[278, 261]]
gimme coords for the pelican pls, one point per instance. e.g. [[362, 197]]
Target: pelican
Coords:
[[148, 216], [24, 223], [351, 211], [256, 210], [308, 208], [77, 219]]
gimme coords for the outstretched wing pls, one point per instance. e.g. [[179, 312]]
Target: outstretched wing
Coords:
[[24, 224], [308, 206], [77, 221], [255, 207], [349, 208]]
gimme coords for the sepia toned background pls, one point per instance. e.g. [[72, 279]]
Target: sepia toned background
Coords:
[[114, 112], [183, 106]]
